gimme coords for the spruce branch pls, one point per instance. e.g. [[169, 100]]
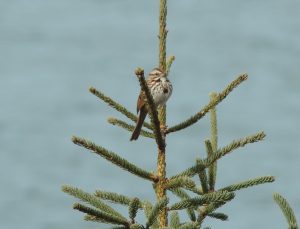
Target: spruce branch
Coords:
[[189, 225], [113, 197], [191, 214], [160, 141], [196, 190], [97, 220], [202, 176], [151, 109], [147, 206], [174, 220], [169, 64], [114, 158], [232, 146], [183, 195], [100, 220], [162, 34], [213, 123], [217, 197], [218, 215], [286, 210], [162, 116], [212, 145], [192, 171], [193, 189], [248, 183], [220, 97], [118, 227], [182, 181], [133, 208], [212, 168], [208, 210], [117, 106], [136, 226], [92, 200], [158, 207], [126, 126], [180, 193], [101, 216]]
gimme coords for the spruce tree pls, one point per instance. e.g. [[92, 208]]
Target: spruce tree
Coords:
[[200, 200]]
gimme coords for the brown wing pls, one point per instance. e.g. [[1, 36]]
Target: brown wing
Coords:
[[140, 101]]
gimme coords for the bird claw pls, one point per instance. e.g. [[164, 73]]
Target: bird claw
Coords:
[[163, 129]]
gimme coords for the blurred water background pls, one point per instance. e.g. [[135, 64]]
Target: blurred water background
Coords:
[[52, 51]]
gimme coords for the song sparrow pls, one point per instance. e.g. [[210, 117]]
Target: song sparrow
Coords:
[[161, 89]]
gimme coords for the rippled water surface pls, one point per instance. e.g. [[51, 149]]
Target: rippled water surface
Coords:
[[52, 51]]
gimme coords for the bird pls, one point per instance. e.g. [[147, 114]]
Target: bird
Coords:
[[160, 88]]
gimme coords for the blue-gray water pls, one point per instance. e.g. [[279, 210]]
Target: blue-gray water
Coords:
[[52, 51]]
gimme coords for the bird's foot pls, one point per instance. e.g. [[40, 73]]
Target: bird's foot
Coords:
[[163, 129]]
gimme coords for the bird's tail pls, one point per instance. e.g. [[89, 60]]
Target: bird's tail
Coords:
[[137, 130]]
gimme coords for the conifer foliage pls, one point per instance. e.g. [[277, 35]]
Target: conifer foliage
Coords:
[[199, 201]]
